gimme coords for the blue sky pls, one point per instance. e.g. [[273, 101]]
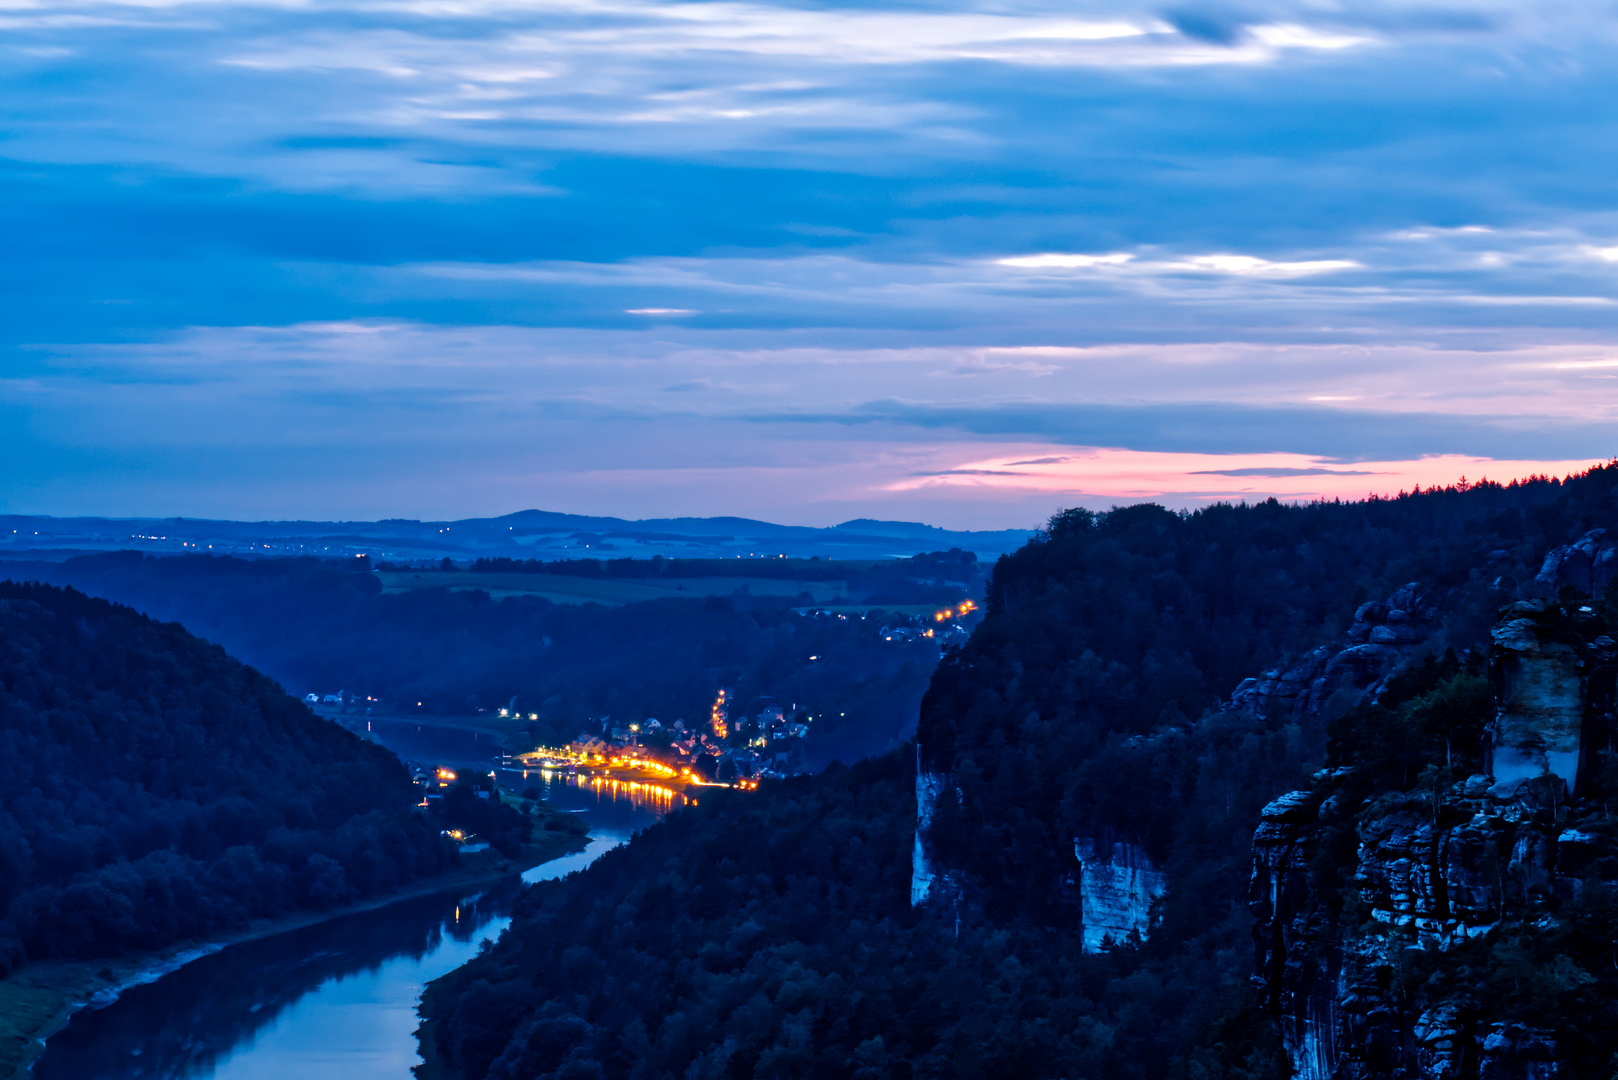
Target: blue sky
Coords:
[[963, 264]]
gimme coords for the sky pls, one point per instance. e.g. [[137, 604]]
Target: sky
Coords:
[[965, 264]]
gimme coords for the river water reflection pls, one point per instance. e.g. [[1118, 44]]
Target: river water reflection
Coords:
[[333, 1001]]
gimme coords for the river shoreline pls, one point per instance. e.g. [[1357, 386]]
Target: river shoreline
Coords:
[[38, 999]]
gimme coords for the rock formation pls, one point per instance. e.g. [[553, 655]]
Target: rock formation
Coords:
[[1370, 898], [1115, 882], [1328, 679], [1117, 886], [921, 867], [1551, 671], [1587, 564]]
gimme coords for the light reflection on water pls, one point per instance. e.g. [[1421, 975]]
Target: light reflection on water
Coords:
[[653, 798], [334, 1001]]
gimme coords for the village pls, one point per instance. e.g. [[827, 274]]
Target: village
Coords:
[[661, 762], [726, 751]]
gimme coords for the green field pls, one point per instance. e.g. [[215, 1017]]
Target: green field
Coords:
[[565, 589]]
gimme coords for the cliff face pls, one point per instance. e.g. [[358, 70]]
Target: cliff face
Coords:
[[1434, 929], [1113, 881], [922, 872], [1552, 680], [1117, 886]]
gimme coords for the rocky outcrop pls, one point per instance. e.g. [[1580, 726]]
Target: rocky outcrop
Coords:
[[1115, 883], [1329, 680], [1425, 880], [1111, 892], [1552, 673], [1361, 894], [922, 873], [1587, 564], [1117, 886]]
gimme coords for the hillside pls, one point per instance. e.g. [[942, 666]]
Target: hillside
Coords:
[[1094, 765], [155, 790], [448, 647]]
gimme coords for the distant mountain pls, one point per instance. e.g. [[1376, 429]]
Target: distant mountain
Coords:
[[526, 534]]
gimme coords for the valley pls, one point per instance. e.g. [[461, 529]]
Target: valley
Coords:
[[1361, 751]]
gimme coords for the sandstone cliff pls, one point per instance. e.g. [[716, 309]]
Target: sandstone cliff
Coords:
[[1113, 881], [1427, 926]]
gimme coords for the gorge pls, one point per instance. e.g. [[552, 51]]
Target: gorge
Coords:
[[1359, 751]]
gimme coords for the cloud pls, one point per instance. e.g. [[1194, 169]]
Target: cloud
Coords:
[[1104, 474], [970, 472], [901, 239], [1221, 428], [1209, 24], [1065, 262], [1236, 265], [1253, 266], [1276, 472]]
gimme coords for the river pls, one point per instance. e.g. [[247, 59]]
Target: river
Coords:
[[336, 1000]]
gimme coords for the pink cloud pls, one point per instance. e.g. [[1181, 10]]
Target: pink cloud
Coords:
[[1183, 479]]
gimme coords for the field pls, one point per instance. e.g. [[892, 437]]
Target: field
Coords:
[[564, 589]]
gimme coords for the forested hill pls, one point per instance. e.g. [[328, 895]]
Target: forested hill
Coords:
[[328, 625], [1072, 710], [774, 936], [153, 789]]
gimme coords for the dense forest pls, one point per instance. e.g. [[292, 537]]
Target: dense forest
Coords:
[[771, 935], [774, 936], [322, 625], [155, 790], [1070, 710]]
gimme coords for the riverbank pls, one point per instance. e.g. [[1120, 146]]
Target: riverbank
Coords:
[[38, 999]]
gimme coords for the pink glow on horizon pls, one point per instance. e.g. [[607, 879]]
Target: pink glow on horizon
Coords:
[[1188, 479]]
